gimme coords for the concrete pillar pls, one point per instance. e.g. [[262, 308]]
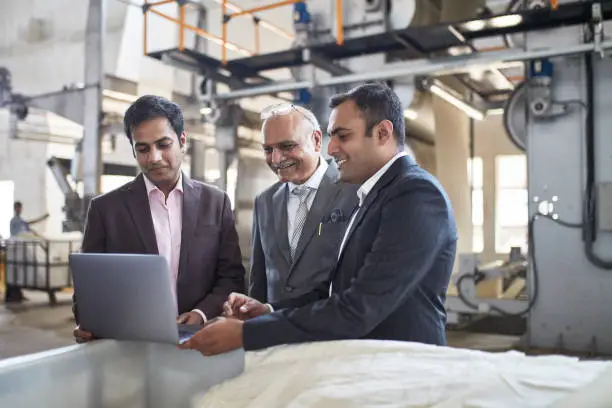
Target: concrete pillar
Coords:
[[452, 153], [94, 79]]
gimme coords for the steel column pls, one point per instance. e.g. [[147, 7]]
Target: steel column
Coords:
[[94, 75]]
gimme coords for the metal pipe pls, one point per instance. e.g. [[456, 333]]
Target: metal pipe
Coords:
[[441, 66], [145, 29], [339, 21]]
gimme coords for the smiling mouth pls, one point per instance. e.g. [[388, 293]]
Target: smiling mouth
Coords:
[[341, 162], [285, 165]]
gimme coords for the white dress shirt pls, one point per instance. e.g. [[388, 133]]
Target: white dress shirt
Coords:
[[293, 201]]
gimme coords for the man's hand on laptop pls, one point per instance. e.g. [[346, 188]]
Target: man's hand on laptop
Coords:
[[242, 307], [82, 336], [190, 318]]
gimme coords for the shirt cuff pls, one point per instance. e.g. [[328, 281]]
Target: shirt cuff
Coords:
[[270, 307], [202, 315]]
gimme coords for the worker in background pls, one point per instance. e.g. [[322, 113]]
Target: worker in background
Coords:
[[162, 211], [299, 221], [395, 259], [19, 226]]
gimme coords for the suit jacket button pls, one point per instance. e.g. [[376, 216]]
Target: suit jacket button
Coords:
[[289, 288]]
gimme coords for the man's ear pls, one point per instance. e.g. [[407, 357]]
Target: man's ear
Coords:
[[384, 131], [183, 141], [317, 139]]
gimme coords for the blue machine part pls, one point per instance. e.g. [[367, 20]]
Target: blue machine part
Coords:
[[301, 15], [540, 68], [304, 97]]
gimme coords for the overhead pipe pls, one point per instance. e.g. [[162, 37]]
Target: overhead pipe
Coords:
[[440, 66]]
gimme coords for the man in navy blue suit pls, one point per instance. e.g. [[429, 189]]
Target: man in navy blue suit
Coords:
[[396, 256]]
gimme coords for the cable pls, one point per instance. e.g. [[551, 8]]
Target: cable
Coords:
[[532, 258], [589, 209]]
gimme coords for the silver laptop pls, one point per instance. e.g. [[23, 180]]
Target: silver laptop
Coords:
[[127, 297]]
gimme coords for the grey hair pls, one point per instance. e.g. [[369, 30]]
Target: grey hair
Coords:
[[287, 108]]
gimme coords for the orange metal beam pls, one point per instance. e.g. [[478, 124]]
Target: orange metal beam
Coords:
[[182, 27], [205, 34], [224, 32], [339, 23], [264, 8]]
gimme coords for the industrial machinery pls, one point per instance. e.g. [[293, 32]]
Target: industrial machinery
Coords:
[[555, 114]]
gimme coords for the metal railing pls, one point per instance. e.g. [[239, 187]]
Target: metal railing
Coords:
[[229, 16], [234, 11]]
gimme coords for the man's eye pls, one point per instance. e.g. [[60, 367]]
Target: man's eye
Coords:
[[142, 150], [287, 147], [267, 150]]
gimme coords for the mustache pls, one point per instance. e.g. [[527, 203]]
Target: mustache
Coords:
[[282, 165]]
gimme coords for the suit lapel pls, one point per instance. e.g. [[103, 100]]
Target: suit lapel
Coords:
[[397, 168], [191, 201], [324, 199], [279, 211], [138, 205]]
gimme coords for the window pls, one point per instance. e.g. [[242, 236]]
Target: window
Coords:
[[7, 194], [475, 180], [511, 213]]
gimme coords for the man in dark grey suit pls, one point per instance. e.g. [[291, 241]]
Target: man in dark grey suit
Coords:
[[296, 238], [395, 260], [162, 211]]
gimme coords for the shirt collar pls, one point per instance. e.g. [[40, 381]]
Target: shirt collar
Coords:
[[152, 187], [315, 180], [369, 184]]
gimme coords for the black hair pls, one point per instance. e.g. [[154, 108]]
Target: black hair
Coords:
[[17, 204], [377, 102], [149, 107]]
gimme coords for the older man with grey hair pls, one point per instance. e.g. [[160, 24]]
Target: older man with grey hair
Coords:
[[299, 221]]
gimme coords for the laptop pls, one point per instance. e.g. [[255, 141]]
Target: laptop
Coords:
[[127, 297]]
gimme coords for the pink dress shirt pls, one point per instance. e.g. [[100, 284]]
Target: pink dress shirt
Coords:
[[167, 218]]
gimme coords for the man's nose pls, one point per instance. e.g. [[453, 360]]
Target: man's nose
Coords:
[[277, 156], [332, 146], [156, 155]]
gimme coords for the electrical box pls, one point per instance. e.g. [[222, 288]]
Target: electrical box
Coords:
[[604, 206]]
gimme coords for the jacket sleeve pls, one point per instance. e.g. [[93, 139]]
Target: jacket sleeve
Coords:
[[94, 240], [414, 227], [230, 273], [258, 281]]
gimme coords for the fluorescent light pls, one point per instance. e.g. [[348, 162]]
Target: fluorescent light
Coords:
[[475, 25], [458, 103], [509, 20], [497, 111], [206, 110], [410, 114]]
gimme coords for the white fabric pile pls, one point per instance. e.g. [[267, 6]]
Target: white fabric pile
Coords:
[[398, 374]]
